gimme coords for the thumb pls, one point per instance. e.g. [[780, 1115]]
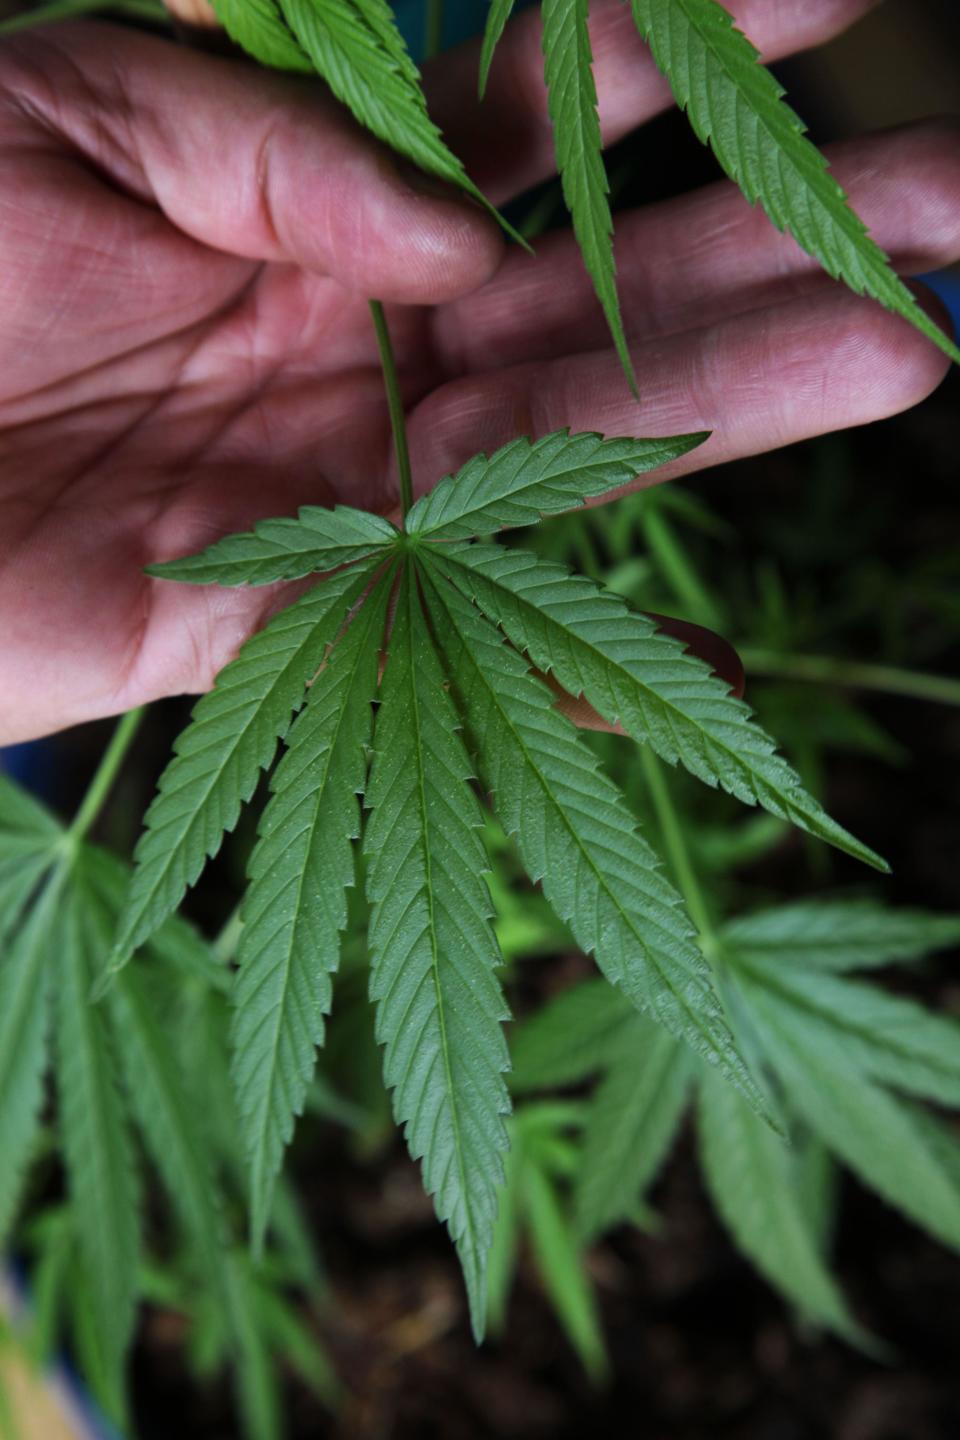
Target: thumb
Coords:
[[253, 163]]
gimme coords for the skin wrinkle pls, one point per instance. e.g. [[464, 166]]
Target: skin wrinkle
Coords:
[[67, 106]]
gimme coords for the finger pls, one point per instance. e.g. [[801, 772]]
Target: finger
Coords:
[[248, 162], [757, 381], [699, 259], [507, 143]]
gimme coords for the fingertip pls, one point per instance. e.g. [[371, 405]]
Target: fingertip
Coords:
[[446, 245], [392, 231]]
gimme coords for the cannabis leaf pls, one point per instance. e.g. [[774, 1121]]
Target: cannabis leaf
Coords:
[[296, 907], [433, 950], [285, 549], [634, 1118], [500, 12], [575, 835], [736, 106], [24, 993], [543, 1158], [357, 49], [231, 738], [640, 678], [97, 1145], [833, 1044], [260, 28], [526, 479], [455, 701], [838, 935], [572, 102], [753, 1182], [117, 1067]]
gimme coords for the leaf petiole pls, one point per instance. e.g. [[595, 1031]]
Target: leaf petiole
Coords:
[[398, 422], [677, 853], [106, 773]]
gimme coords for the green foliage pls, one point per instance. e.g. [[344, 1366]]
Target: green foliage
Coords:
[[285, 549], [433, 950], [838, 935], [753, 1180], [576, 837], [231, 738], [357, 49], [97, 1147], [528, 479], [831, 1045], [120, 1069], [454, 701], [500, 12], [634, 1118], [260, 28], [543, 1156], [572, 100], [640, 678], [24, 995], [296, 907], [736, 106]]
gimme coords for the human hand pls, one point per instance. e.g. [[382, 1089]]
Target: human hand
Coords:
[[187, 244]]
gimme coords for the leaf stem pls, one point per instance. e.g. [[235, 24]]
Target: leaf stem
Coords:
[[150, 10], [827, 670], [433, 29], [106, 772], [678, 856], [398, 423]]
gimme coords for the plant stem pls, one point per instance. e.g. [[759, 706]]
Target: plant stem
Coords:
[[826, 670], [398, 423], [433, 29], [64, 9], [676, 848], [225, 945], [676, 567], [106, 773]]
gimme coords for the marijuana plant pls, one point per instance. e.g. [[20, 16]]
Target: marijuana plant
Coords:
[[414, 678], [846, 1062], [129, 1071], [455, 701]]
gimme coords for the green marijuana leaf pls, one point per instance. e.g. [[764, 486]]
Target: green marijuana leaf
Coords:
[[500, 12], [285, 549], [230, 740], [736, 106], [97, 1144], [572, 100], [259, 27], [56, 942], [439, 1005], [639, 678], [527, 479], [357, 49], [754, 1184], [455, 701], [296, 905], [832, 1044]]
